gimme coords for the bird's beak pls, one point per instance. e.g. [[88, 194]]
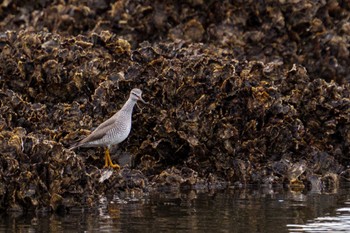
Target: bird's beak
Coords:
[[140, 98]]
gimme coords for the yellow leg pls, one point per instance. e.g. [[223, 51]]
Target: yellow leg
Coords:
[[106, 158], [108, 161]]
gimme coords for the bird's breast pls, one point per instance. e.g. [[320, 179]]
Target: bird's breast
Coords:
[[120, 131]]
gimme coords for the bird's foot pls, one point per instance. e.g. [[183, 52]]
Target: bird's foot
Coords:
[[108, 161], [115, 166]]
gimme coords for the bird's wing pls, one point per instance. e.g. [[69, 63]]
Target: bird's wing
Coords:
[[98, 133], [105, 124]]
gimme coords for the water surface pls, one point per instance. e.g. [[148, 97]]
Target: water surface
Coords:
[[232, 210]]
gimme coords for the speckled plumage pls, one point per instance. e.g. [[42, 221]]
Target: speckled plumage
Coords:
[[114, 130]]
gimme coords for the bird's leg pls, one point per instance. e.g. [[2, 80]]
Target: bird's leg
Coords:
[[113, 165], [108, 160]]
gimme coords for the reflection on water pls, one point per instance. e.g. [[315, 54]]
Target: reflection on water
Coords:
[[339, 222], [249, 210]]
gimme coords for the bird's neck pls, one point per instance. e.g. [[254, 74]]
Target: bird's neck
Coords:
[[128, 106]]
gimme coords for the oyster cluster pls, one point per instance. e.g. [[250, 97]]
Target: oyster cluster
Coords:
[[241, 92]]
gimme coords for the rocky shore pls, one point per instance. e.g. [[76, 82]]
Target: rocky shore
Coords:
[[240, 93]]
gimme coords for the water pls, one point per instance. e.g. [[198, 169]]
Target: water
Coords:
[[249, 210]]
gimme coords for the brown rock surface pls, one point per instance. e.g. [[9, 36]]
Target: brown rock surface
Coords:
[[241, 92]]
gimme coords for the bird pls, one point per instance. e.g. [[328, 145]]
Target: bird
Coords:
[[114, 130]]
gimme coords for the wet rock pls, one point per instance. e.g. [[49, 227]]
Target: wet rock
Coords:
[[111, 182], [174, 178]]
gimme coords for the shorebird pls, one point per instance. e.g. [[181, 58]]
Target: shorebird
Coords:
[[114, 130]]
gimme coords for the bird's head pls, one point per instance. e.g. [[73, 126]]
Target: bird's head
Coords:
[[136, 94]]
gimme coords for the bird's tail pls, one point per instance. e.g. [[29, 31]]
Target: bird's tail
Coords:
[[75, 145]]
